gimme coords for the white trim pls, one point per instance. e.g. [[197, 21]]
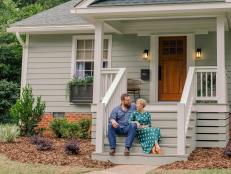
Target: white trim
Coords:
[[154, 63], [99, 37], [84, 37], [51, 28], [211, 108], [24, 63], [155, 9], [190, 50], [221, 89]]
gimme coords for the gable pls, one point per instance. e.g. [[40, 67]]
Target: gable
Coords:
[[101, 3]]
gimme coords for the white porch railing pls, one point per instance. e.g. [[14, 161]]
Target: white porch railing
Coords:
[[206, 83], [200, 85], [109, 101], [107, 77]]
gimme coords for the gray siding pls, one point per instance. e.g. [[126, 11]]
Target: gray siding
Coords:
[[49, 69], [126, 52]]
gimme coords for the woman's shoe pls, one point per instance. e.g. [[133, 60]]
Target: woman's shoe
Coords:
[[157, 149]]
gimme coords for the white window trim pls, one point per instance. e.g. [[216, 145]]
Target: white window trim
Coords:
[[85, 37]]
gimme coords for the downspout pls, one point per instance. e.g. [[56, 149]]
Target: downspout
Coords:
[[24, 59], [20, 39]]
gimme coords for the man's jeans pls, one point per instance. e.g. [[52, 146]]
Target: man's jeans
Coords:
[[129, 131]]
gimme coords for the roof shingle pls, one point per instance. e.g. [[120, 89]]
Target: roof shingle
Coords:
[[59, 15]]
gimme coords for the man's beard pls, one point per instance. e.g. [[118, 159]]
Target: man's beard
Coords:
[[127, 106]]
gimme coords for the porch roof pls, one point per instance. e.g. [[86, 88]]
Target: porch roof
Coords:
[[101, 3]]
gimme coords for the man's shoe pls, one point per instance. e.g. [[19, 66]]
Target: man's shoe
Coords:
[[112, 152], [126, 152]]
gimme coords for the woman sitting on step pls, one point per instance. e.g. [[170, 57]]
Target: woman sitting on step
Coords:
[[147, 135]]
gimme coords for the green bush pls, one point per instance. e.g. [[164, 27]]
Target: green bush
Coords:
[[71, 131], [28, 111], [63, 129], [84, 126], [58, 126], [9, 92], [8, 132]]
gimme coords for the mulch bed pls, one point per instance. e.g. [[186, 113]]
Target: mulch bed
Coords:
[[200, 158], [23, 151]]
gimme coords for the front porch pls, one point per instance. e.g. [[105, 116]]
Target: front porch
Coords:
[[200, 89]]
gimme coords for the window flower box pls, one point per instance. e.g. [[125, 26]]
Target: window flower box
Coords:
[[81, 90]]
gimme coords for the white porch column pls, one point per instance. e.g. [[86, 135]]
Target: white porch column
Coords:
[[97, 85], [98, 61], [221, 70]]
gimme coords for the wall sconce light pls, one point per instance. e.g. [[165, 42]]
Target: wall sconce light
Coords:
[[198, 54], [145, 55]]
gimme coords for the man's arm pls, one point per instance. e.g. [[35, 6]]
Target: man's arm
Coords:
[[113, 119]]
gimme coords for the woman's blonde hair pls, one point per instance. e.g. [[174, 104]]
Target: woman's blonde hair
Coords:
[[142, 101]]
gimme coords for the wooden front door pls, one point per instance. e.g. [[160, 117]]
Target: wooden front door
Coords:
[[172, 67]]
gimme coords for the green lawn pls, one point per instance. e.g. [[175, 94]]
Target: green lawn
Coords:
[[11, 167], [203, 171]]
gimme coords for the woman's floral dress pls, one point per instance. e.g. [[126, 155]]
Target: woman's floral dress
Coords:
[[147, 135]]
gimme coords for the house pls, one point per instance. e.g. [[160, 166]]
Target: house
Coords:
[[188, 60]]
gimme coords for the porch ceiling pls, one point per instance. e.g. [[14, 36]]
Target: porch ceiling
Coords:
[[162, 26]]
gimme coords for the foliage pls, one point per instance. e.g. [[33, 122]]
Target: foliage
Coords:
[[58, 126], [71, 131], [81, 82], [8, 95], [8, 132], [43, 144], [63, 129], [28, 111], [84, 127], [35, 139], [72, 147], [78, 82]]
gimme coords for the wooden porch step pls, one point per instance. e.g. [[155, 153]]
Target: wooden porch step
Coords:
[[164, 140], [139, 158], [167, 149]]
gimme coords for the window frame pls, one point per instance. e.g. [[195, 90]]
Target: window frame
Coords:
[[88, 37]]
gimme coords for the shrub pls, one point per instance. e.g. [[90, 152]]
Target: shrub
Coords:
[[71, 131], [84, 127], [8, 132], [63, 129], [9, 92], [35, 139], [43, 144], [58, 126], [72, 147], [27, 112]]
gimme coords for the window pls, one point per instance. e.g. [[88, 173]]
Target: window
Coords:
[[84, 56], [58, 114]]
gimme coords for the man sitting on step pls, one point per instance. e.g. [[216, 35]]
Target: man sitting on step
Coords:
[[119, 124]]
